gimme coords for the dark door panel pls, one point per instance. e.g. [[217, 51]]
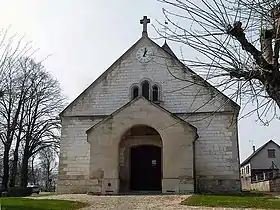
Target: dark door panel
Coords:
[[145, 168]]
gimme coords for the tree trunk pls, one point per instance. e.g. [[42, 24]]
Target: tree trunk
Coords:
[[24, 170], [14, 166], [48, 176], [32, 170], [274, 94], [6, 168], [266, 45]]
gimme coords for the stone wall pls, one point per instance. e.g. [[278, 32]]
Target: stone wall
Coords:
[[267, 186], [216, 151], [275, 185], [74, 155], [246, 183], [263, 186], [206, 185]]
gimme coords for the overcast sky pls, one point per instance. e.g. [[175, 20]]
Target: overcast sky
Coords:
[[84, 37]]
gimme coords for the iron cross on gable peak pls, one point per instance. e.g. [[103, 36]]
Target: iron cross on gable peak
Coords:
[[145, 22]]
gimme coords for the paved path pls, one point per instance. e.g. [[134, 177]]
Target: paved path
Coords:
[[143, 202]]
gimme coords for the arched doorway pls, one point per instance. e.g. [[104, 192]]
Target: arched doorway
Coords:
[[140, 159]]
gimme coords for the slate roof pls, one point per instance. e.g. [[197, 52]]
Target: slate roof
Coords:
[[167, 49]]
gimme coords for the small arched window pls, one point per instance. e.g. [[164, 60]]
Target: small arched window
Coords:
[[135, 92], [155, 93], [146, 90]]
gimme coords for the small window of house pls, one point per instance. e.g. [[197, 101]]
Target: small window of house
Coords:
[[271, 153], [155, 93], [135, 92], [146, 90], [247, 170]]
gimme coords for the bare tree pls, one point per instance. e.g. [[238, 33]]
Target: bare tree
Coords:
[[29, 108], [48, 165], [237, 43], [11, 93], [1, 161], [10, 106], [41, 125]]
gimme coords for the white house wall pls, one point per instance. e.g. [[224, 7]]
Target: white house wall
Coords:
[[261, 160]]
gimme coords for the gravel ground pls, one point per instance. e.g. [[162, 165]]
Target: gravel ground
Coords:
[[130, 202]]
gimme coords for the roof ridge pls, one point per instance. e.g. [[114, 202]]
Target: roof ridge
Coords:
[[257, 151]]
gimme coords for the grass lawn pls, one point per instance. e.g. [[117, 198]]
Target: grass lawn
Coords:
[[32, 204], [243, 200]]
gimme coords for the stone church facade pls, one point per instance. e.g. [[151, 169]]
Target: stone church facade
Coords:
[[149, 123]]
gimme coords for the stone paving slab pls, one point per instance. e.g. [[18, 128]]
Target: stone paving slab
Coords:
[[131, 202]]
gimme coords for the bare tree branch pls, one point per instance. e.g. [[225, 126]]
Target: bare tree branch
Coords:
[[238, 45]]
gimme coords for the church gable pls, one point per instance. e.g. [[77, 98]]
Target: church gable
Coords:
[[154, 72], [137, 102]]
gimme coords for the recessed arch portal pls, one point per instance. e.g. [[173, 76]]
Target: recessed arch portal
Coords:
[[140, 159]]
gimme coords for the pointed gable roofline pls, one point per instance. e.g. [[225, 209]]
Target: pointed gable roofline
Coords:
[[247, 160], [103, 75], [166, 49], [150, 102]]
